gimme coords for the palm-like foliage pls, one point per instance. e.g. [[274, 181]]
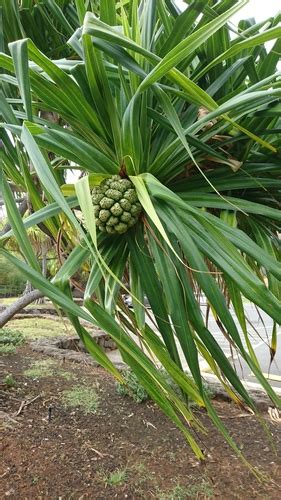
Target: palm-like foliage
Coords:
[[48, 23], [189, 109]]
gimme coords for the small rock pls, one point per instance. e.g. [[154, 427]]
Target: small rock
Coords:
[[10, 492]]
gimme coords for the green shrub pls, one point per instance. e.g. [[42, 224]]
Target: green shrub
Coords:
[[7, 349], [133, 388], [11, 337], [9, 340]]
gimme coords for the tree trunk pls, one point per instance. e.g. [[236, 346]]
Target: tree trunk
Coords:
[[18, 305], [44, 251], [28, 288]]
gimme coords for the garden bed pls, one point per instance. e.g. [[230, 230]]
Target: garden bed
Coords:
[[116, 448]]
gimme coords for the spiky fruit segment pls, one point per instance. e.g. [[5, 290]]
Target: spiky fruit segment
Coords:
[[116, 205], [106, 202], [126, 217], [113, 194], [125, 204], [112, 221], [131, 195], [116, 209], [104, 215]]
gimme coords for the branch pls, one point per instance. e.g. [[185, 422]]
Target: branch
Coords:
[[17, 200], [22, 209], [18, 305]]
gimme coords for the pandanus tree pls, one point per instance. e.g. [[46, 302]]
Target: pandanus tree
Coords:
[[172, 120]]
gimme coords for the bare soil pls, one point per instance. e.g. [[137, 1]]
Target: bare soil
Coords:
[[125, 449]]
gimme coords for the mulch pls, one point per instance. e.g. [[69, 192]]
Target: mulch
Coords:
[[52, 452]]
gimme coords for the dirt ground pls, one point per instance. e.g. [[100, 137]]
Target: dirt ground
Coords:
[[124, 449]]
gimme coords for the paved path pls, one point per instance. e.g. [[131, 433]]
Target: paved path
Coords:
[[259, 327]]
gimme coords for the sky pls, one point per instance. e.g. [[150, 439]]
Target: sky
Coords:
[[260, 9]]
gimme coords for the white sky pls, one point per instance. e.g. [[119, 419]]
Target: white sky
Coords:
[[259, 9]]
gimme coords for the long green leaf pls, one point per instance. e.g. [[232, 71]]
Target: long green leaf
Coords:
[[187, 46], [16, 222]]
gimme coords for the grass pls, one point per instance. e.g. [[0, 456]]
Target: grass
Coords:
[[195, 491], [85, 398], [119, 476], [46, 368], [35, 328], [9, 380], [6, 301], [135, 475]]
